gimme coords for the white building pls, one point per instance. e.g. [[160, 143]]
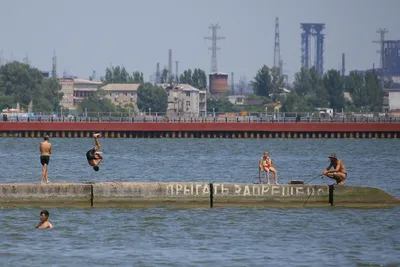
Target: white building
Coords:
[[394, 99], [67, 88], [185, 100]]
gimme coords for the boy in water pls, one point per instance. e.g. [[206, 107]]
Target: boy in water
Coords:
[[44, 223], [93, 156], [266, 164], [45, 152]]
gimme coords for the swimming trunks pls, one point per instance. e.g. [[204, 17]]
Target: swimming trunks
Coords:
[[45, 159], [90, 155]]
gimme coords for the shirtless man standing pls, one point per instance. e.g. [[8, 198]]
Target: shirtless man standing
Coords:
[[93, 156], [45, 152], [44, 223], [339, 171], [266, 164]]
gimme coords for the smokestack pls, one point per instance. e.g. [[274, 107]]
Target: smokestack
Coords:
[[176, 72], [158, 73], [232, 84], [343, 65], [170, 65]]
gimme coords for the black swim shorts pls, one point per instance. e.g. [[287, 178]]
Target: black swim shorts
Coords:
[[44, 160], [90, 155]]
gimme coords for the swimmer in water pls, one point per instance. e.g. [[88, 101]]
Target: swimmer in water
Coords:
[[44, 223]]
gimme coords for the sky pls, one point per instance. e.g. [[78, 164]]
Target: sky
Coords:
[[96, 34]]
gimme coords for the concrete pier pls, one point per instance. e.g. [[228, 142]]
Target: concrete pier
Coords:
[[192, 194]]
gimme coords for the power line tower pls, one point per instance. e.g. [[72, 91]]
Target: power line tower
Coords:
[[54, 68], [214, 38], [277, 49], [26, 59], [382, 33]]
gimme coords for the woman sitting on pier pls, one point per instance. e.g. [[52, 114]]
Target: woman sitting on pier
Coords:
[[266, 164]]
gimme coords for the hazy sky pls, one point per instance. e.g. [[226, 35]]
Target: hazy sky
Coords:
[[89, 34]]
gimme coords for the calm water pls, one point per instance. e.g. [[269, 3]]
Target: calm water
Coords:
[[202, 237]]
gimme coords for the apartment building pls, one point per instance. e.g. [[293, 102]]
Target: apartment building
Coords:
[[122, 94], [185, 100]]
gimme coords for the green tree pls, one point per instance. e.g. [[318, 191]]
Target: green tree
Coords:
[[152, 96], [262, 84], [334, 86], [20, 83], [164, 75], [96, 102], [277, 84], [374, 91], [186, 77], [355, 84], [302, 82], [138, 77], [221, 106], [119, 75]]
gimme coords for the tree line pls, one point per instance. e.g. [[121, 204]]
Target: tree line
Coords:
[[20, 83], [310, 90]]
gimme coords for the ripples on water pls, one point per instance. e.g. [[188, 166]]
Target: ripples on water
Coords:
[[202, 237]]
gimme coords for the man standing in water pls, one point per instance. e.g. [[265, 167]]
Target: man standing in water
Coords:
[[45, 152], [339, 171], [266, 164], [44, 223], [93, 156]]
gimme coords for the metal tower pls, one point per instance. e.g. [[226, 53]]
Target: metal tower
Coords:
[[382, 33], [170, 64], [312, 30], [54, 68], [214, 38], [26, 59], [277, 49], [319, 61], [176, 72]]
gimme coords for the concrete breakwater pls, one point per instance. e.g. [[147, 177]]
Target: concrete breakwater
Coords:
[[184, 194]]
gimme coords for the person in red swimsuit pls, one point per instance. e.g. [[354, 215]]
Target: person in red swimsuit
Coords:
[[266, 164]]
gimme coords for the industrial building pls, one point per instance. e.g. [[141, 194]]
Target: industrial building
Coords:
[[391, 58], [218, 82]]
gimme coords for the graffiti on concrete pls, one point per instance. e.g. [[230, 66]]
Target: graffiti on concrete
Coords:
[[194, 189]]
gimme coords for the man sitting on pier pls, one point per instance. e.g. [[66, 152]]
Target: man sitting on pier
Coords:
[[339, 171], [94, 156], [266, 164]]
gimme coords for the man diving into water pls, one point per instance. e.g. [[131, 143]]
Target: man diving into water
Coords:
[[93, 155]]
